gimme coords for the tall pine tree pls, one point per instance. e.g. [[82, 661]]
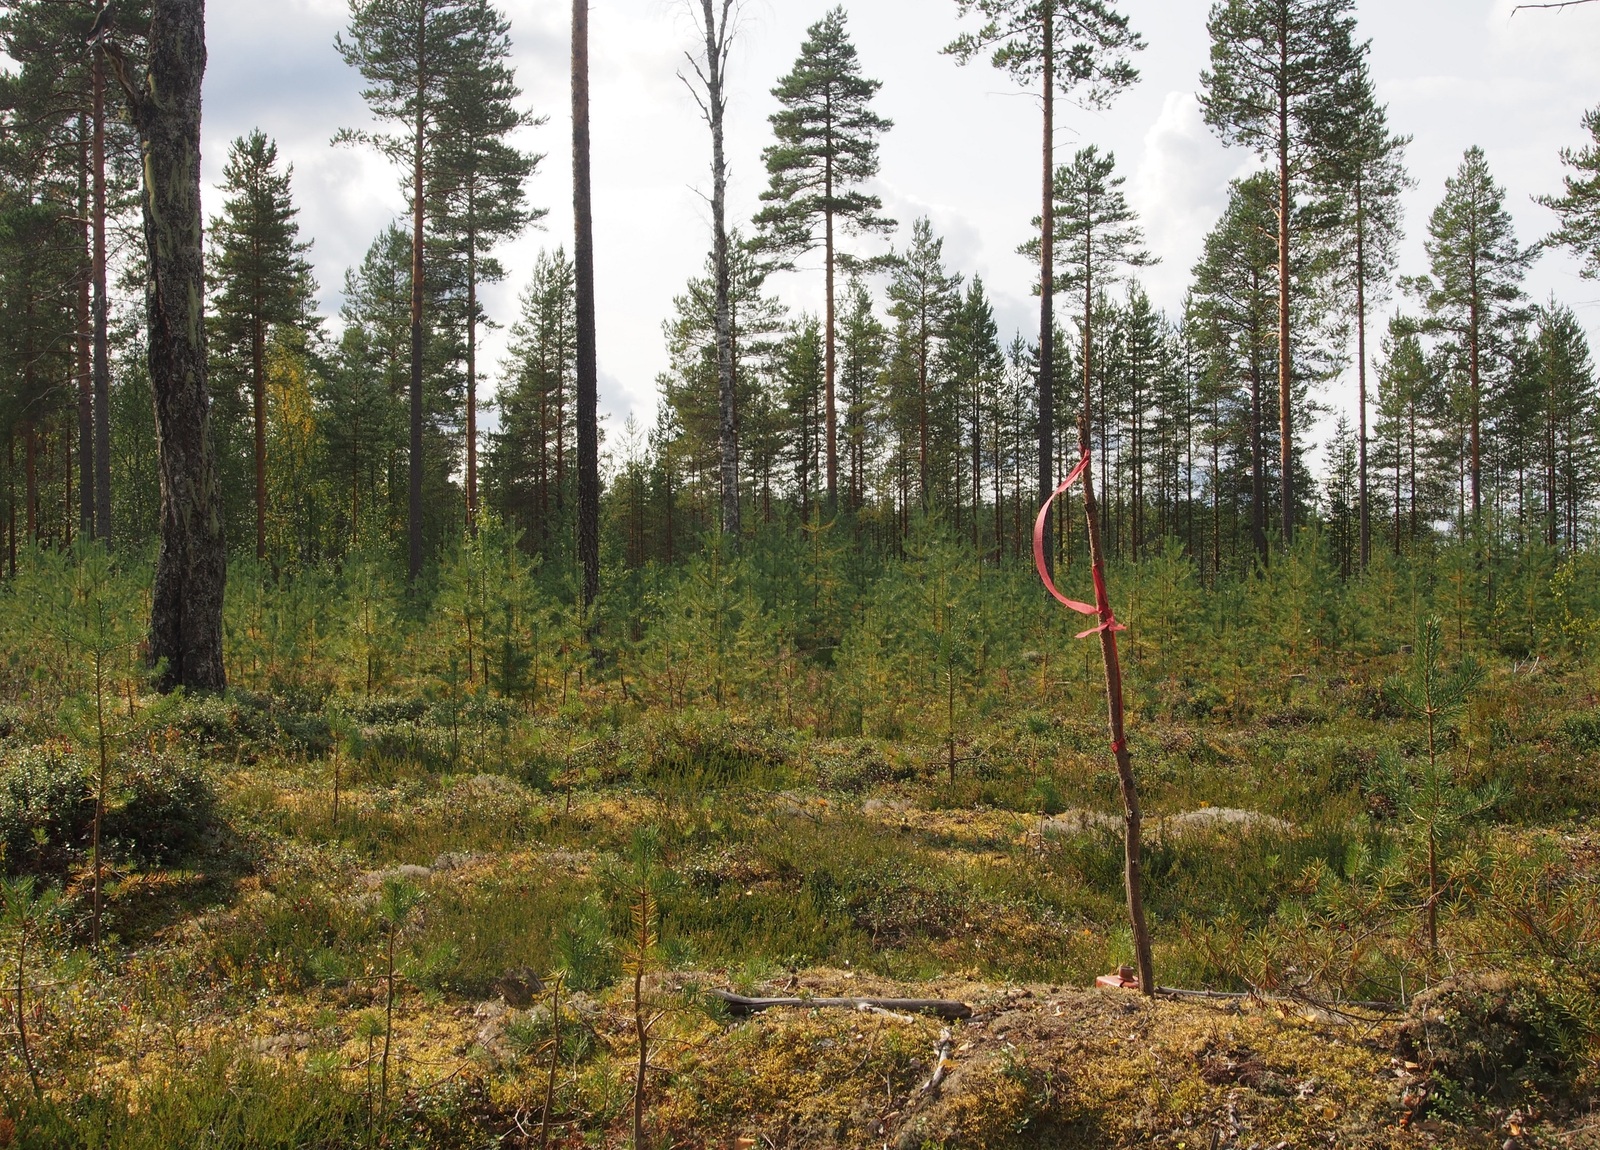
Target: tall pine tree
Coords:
[[1570, 441], [1096, 239], [1278, 71], [1235, 301], [1366, 169], [1072, 48], [923, 298], [827, 145], [407, 51], [1473, 295], [479, 191], [714, 22], [532, 457]]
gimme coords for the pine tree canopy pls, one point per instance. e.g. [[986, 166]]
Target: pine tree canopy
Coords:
[[1280, 71], [827, 144], [1091, 44], [1579, 209], [1095, 230]]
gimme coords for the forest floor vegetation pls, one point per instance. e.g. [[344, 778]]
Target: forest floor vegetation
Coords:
[[440, 915]]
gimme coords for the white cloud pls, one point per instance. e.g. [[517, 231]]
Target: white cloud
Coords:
[[1179, 189]]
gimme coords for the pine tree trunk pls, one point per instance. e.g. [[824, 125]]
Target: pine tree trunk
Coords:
[[1399, 466], [1411, 487], [1258, 463], [258, 392], [1550, 494], [923, 338], [832, 355], [1285, 364], [472, 373], [1285, 367], [101, 349], [1085, 435], [191, 567], [1047, 278], [1361, 375], [31, 472], [11, 501], [541, 474], [66, 480], [85, 339], [418, 241], [977, 466], [583, 258], [715, 104], [1475, 378]]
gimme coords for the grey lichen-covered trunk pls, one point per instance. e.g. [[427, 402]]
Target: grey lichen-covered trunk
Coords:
[[718, 32], [191, 568]]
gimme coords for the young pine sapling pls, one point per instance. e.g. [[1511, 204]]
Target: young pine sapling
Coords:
[[96, 615], [23, 915], [1428, 796], [396, 900], [641, 957]]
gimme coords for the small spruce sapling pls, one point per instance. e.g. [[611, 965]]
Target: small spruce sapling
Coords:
[[1427, 795]]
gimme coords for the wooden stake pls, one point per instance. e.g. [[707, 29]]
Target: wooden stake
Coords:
[[1132, 819]]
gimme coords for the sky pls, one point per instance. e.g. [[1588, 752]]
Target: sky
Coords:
[[964, 150]]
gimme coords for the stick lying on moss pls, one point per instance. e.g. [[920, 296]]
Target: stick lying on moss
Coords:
[[944, 1008]]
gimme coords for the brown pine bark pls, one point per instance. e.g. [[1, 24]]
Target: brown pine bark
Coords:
[[714, 105], [31, 472], [1047, 278], [191, 567], [418, 243], [472, 372], [923, 336], [258, 394], [583, 260], [1285, 365], [85, 339], [101, 343], [1361, 375], [831, 355]]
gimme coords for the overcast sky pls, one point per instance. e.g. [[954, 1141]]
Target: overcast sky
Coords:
[[964, 149]]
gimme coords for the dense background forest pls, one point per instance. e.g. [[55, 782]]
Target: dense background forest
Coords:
[[485, 811], [1479, 398]]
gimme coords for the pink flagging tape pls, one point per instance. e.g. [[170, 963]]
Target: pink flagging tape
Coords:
[[1102, 605]]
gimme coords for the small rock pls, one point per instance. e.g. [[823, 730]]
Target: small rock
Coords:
[[885, 807], [1217, 819], [1079, 822], [409, 872], [519, 987]]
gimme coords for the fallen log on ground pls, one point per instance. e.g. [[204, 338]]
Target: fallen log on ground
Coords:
[[944, 1008]]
